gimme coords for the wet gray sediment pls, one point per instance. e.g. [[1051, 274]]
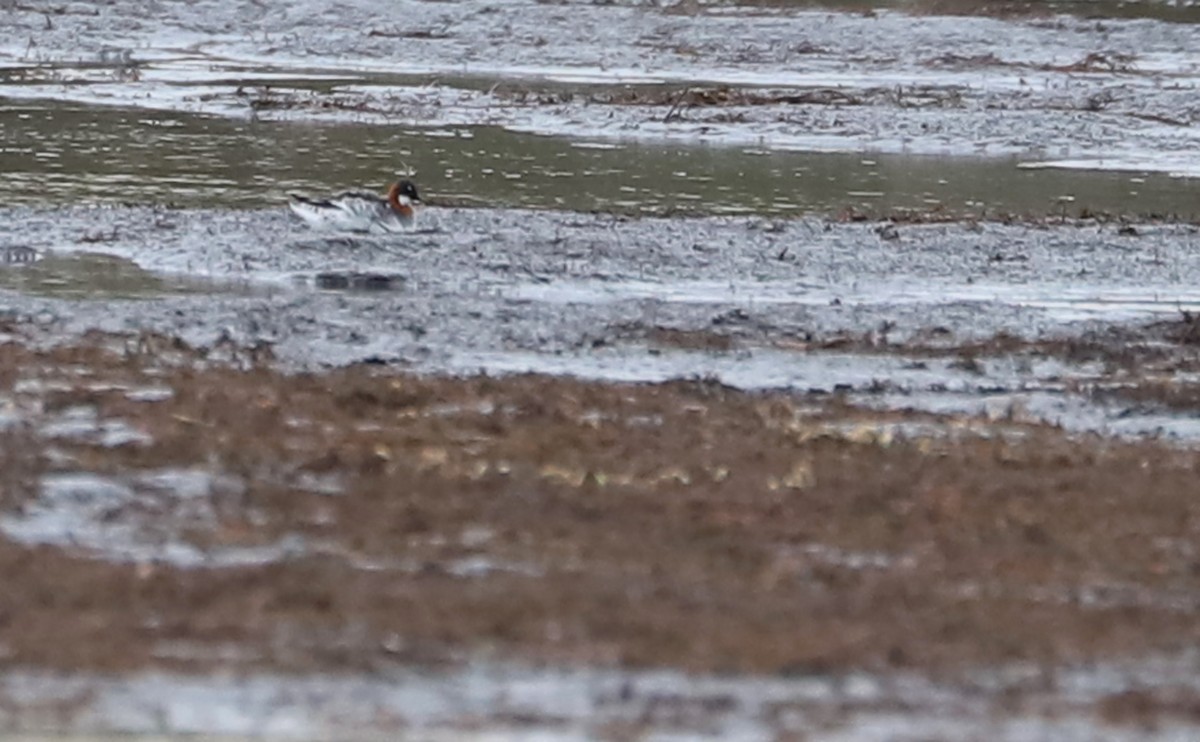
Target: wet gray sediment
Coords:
[[486, 701], [477, 290], [491, 274]]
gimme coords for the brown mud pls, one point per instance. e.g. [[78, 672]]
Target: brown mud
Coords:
[[683, 525]]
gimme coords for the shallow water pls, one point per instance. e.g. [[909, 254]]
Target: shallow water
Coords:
[[56, 152], [84, 275]]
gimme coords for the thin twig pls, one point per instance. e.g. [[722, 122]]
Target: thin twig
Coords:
[[671, 113]]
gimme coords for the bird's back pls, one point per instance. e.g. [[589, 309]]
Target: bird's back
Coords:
[[355, 212]]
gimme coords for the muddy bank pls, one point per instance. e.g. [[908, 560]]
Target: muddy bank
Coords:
[[199, 512]]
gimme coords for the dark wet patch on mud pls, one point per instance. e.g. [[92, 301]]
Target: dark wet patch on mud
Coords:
[[1171, 345], [1151, 395], [677, 100], [1148, 709], [1092, 62], [87, 275], [357, 281]]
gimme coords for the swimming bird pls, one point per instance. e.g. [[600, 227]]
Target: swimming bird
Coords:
[[361, 212]]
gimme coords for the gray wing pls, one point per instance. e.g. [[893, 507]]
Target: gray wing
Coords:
[[362, 206]]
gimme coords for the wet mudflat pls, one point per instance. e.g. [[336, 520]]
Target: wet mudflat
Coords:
[[886, 475], [756, 371], [1033, 318]]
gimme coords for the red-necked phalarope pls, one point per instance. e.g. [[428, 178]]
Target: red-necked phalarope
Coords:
[[361, 212]]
